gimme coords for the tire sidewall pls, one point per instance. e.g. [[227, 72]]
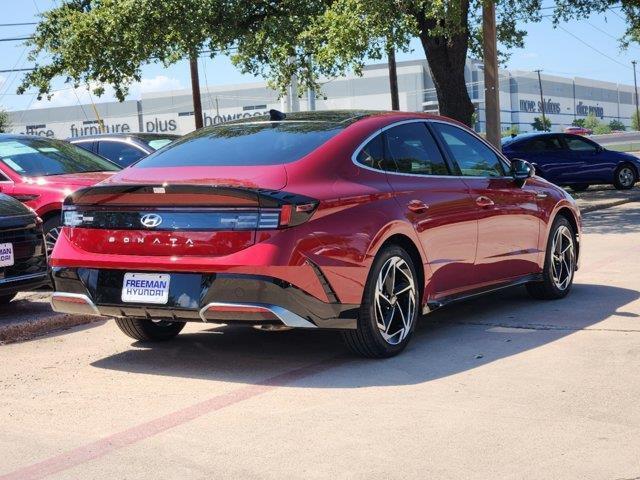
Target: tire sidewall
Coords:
[[616, 179], [548, 277], [367, 319]]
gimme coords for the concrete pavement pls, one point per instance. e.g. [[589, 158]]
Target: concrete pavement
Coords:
[[500, 387]]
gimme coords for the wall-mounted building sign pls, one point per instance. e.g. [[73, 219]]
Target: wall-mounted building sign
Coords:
[[584, 110], [531, 106]]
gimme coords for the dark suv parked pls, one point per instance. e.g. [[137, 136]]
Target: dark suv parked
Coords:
[[23, 258]]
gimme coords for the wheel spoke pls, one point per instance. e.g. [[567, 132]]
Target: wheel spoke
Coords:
[[394, 300]]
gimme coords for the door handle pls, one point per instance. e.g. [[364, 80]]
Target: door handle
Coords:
[[417, 206], [541, 195], [483, 201]]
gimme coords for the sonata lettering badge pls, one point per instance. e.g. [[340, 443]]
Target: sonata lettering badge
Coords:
[[6, 254], [146, 288]]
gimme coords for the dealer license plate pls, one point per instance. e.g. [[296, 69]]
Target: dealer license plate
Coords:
[[146, 288], [6, 254]]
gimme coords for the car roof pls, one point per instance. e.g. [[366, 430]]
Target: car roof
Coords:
[[338, 118], [526, 136], [107, 136]]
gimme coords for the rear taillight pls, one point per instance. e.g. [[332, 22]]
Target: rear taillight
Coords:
[[185, 219]]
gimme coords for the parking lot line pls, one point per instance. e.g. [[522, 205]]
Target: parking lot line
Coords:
[[142, 431]]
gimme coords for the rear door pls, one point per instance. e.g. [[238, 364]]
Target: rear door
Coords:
[[508, 214], [435, 202]]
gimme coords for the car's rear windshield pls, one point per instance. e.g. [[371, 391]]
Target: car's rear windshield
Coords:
[[243, 144], [39, 157]]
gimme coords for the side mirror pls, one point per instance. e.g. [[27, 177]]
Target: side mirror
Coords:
[[599, 149], [521, 170]]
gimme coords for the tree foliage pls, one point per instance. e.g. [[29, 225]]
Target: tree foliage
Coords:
[[100, 42], [616, 124], [5, 125], [540, 125]]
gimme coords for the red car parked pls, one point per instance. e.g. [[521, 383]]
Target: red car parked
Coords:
[[41, 172], [578, 130], [355, 221]]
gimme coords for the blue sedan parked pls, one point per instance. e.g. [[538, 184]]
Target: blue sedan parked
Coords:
[[572, 160]]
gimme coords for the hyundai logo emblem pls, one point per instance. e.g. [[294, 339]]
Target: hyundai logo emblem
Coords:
[[151, 220]]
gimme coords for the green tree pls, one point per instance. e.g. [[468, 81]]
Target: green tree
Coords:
[[616, 124], [540, 126], [5, 125], [511, 131], [635, 122], [99, 42], [578, 122], [591, 122], [601, 129]]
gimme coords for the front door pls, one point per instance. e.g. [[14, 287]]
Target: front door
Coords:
[[508, 215], [437, 203], [595, 166]]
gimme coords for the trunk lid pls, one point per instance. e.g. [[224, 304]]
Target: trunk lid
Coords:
[[273, 177], [175, 220]]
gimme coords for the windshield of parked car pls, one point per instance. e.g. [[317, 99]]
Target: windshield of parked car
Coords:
[[40, 157], [263, 143]]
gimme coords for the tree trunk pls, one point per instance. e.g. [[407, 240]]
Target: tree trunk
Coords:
[[447, 55], [446, 58], [195, 91], [393, 78]]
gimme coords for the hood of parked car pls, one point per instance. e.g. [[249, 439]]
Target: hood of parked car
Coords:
[[68, 179]]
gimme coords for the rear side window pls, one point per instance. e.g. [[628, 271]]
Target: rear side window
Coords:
[[474, 158], [543, 144], [413, 150], [121, 153], [372, 154], [265, 143]]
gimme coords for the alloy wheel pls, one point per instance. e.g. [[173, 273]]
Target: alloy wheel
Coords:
[[563, 260], [395, 300], [50, 239], [626, 176]]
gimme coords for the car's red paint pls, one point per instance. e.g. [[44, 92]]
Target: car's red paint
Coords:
[[48, 193], [460, 244]]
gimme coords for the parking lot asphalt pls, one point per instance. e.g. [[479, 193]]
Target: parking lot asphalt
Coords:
[[498, 387]]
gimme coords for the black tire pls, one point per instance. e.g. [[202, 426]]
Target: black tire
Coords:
[[49, 227], [580, 188], [625, 177], [367, 340], [547, 288], [4, 299], [148, 330]]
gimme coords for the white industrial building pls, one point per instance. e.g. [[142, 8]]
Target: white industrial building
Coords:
[[565, 99]]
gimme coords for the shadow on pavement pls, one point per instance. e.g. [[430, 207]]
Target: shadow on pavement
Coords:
[[452, 340], [619, 220]]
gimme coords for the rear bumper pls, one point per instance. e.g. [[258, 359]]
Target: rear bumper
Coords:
[[197, 297], [24, 282]]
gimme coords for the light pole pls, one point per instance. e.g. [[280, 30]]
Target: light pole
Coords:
[[491, 82], [635, 83], [544, 118]]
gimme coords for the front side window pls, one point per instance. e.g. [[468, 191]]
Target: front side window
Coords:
[[578, 144], [473, 156], [38, 157], [413, 150]]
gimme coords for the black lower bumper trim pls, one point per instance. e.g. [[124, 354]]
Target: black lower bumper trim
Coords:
[[190, 292]]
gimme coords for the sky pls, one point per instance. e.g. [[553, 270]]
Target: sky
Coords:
[[585, 48]]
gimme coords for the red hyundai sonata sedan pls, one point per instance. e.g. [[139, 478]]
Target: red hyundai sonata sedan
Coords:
[[357, 221]]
